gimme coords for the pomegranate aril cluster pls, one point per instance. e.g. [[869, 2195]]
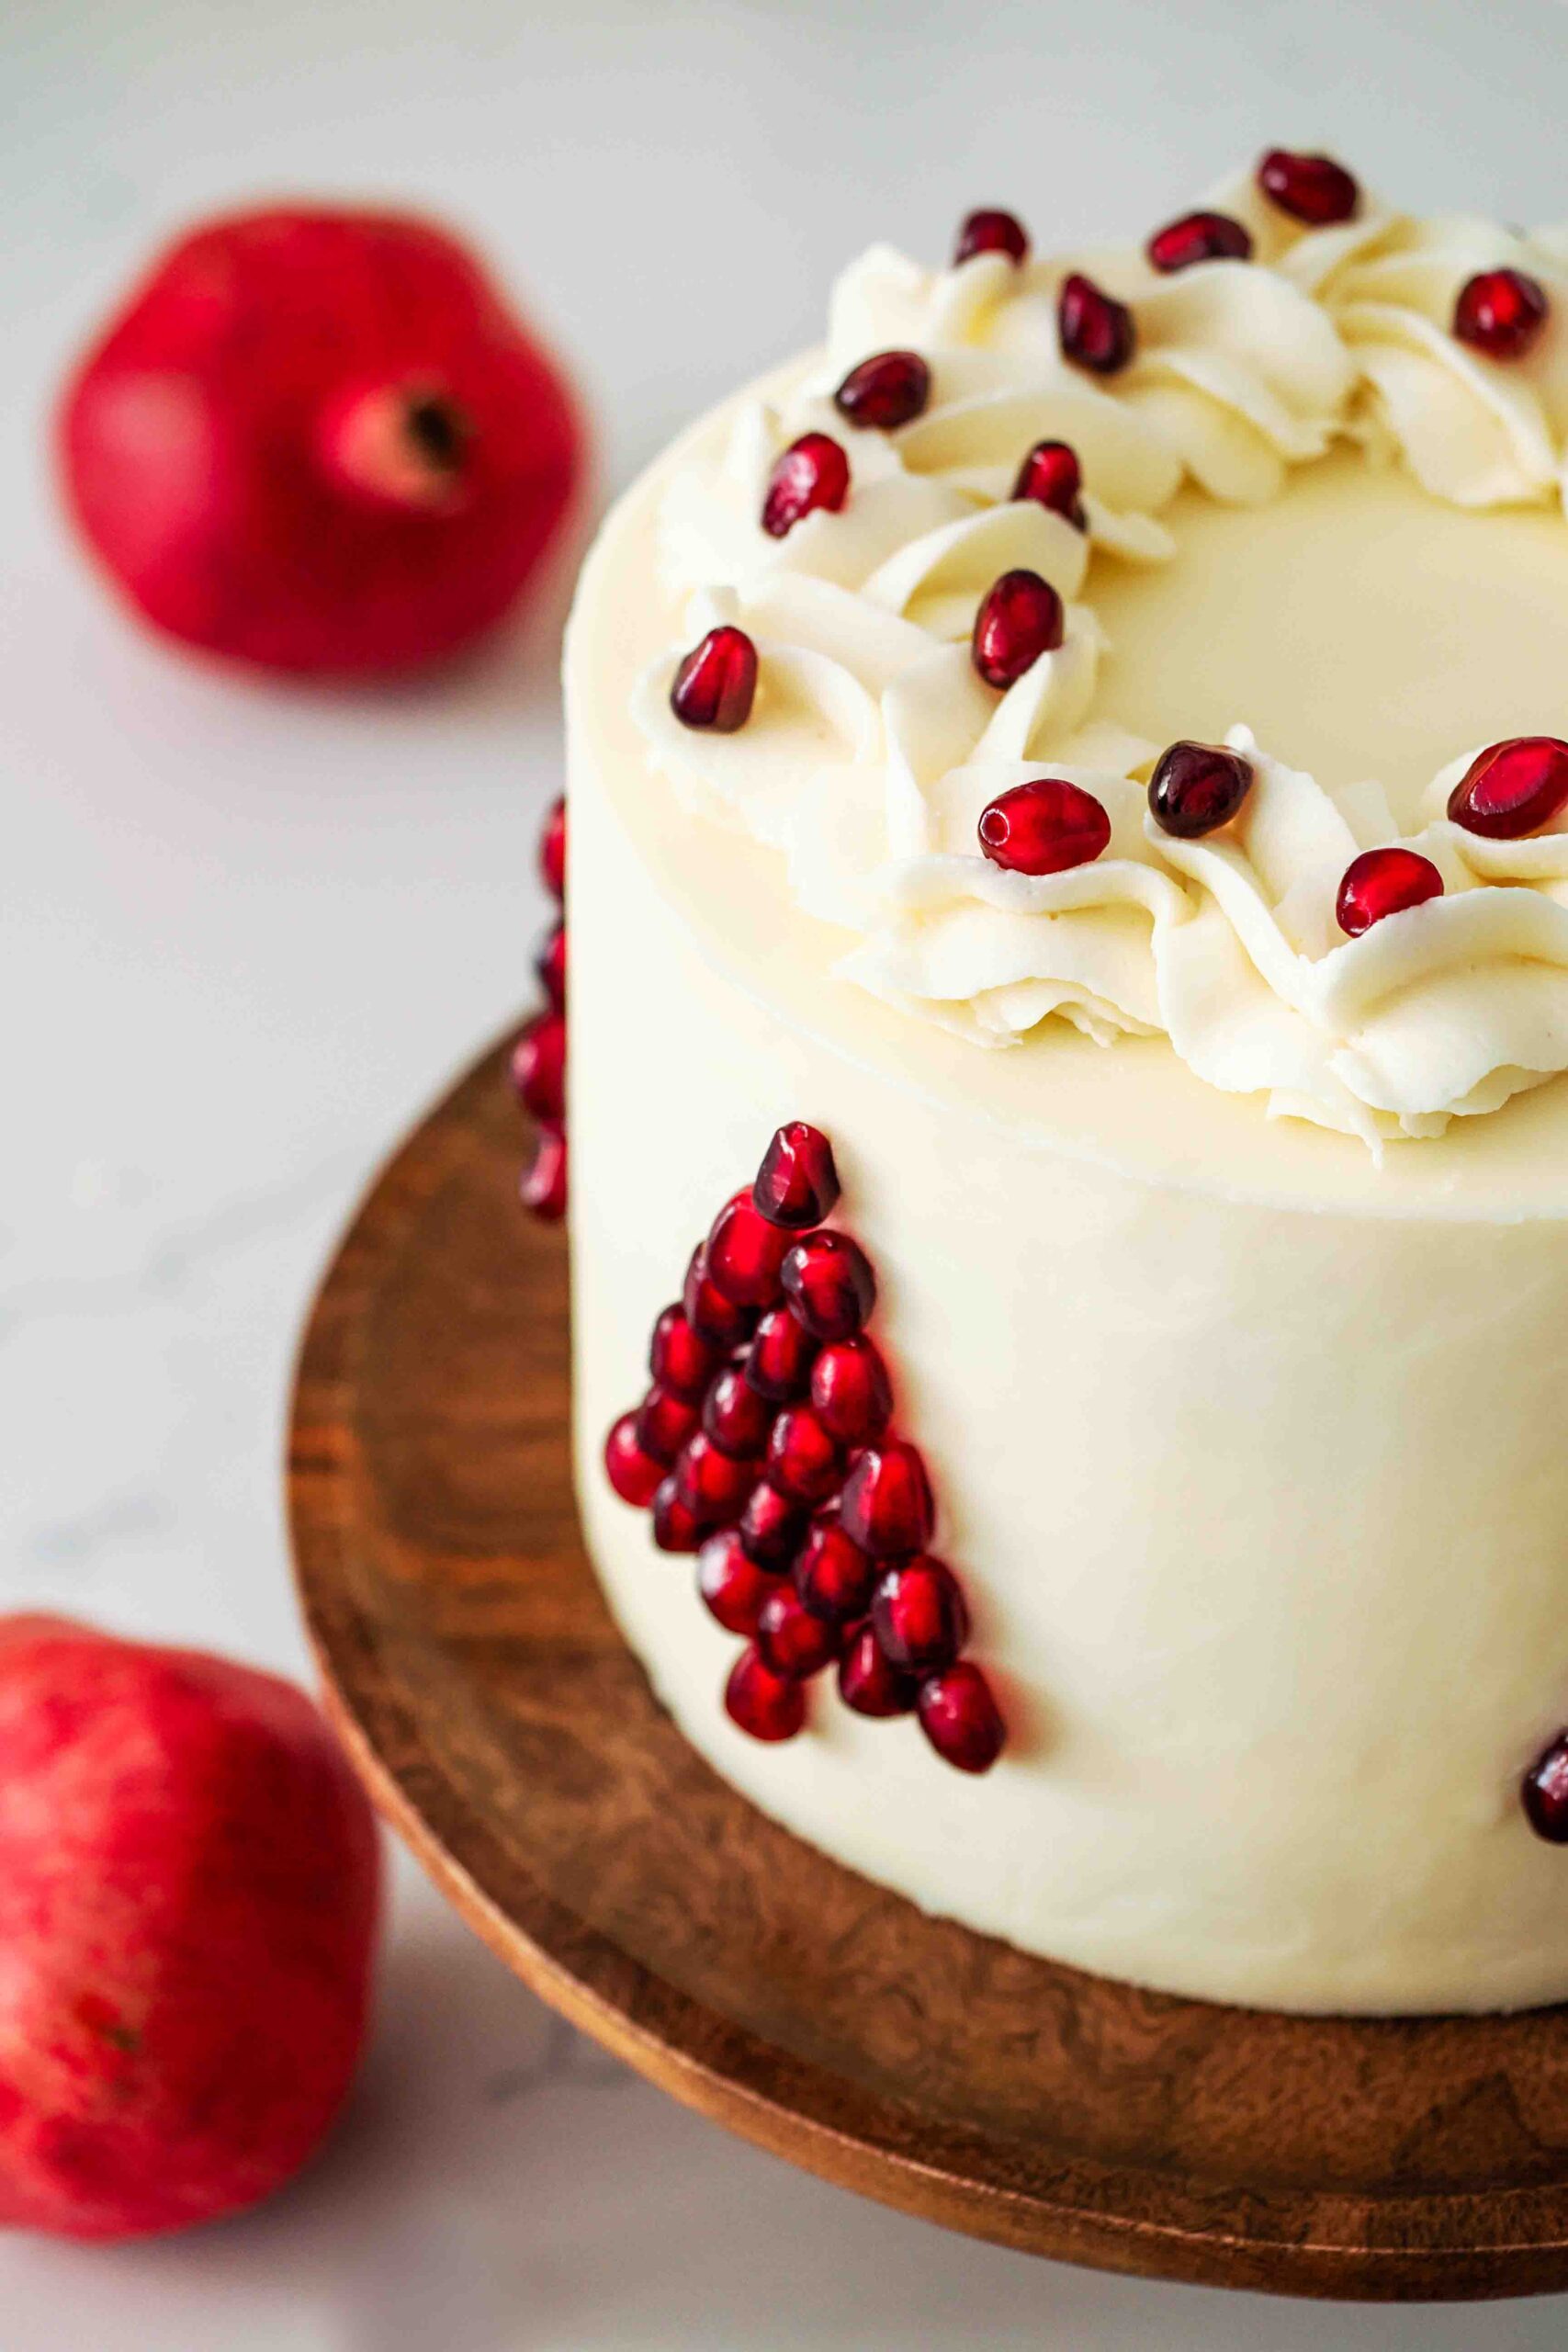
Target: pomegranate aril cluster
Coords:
[[538, 1058], [765, 1444]]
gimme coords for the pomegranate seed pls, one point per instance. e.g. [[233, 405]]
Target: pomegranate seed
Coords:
[[714, 1486], [634, 1475], [710, 1314], [1020, 618], [851, 1393], [886, 1503], [1196, 789], [550, 964], [1313, 188], [539, 1068], [1512, 788], [716, 684], [797, 1185], [813, 472], [961, 1719], [744, 1253], [1500, 312], [868, 1682], [733, 1587], [832, 1576], [989, 232], [1043, 827], [771, 1529], [675, 1529], [779, 1361], [768, 1705], [1097, 331], [918, 1614], [804, 1462], [664, 1423], [1199, 236], [543, 1188], [1544, 1792], [790, 1640], [829, 1282], [737, 1419], [886, 391], [1384, 882], [1052, 476], [552, 849], [681, 1359]]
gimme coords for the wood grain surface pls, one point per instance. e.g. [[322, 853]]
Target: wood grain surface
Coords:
[[508, 1734]]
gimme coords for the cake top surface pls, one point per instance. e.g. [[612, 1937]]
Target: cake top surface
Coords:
[[1393, 589]]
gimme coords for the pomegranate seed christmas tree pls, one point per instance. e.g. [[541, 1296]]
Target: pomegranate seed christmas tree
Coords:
[[538, 1058], [767, 1445]]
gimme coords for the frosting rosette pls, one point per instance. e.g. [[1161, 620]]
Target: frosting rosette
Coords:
[[874, 746]]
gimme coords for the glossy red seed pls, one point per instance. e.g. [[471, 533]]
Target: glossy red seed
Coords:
[[833, 1577], [769, 1706], [744, 1253], [991, 232], [675, 1529], [664, 1423], [550, 966], [851, 1393], [886, 1504], [715, 685], [710, 1314], [779, 1360], [1198, 787], [1512, 788], [1500, 312], [790, 1640], [1020, 618], [886, 391], [1199, 236], [680, 1358], [961, 1718], [635, 1475], [1095, 331], [1382, 882], [1043, 827], [1544, 1793], [543, 1188], [804, 1461], [1313, 188], [714, 1486], [1052, 476], [829, 1282], [813, 473], [733, 1587], [868, 1682], [797, 1183], [772, 1528], [552, 849], [918, 1614], [539, 1068], [739, 1420]]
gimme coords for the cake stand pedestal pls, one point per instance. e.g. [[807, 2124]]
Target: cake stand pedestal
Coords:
[[507, 1732]]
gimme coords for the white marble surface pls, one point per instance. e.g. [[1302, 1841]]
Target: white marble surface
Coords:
[[245, 933]]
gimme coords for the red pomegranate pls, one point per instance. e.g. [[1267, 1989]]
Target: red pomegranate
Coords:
[[317, 440], [189, 1882]]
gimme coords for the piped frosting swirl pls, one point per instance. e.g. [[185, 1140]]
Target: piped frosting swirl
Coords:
[[874, 746]]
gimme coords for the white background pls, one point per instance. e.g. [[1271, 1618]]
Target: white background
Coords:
[[244, 934]]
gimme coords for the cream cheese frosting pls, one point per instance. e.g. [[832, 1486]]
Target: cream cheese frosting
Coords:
[[874, 746]]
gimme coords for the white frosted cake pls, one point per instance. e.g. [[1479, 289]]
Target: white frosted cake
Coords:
[[1081, 756]]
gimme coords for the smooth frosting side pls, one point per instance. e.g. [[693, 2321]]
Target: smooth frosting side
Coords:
[[874, 746]]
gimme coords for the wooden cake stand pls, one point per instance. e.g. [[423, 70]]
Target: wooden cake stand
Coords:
[[506, 1730]]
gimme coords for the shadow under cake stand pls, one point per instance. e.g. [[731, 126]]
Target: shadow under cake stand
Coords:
[[506, 1730]]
